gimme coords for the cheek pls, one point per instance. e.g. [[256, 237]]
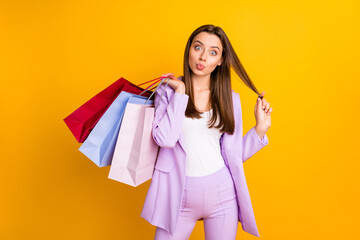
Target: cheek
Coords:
[[192, 55], [192, 60], [214, 62]]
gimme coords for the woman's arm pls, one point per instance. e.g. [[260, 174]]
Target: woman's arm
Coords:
[[252, 144], [259, 132], [169, 116]]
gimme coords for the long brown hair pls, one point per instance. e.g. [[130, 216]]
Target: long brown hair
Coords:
[[220, 82]]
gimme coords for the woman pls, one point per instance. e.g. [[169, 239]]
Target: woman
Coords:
[[199, 171]]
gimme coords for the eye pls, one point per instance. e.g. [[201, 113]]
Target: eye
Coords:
[[197, 46], [214, 53]]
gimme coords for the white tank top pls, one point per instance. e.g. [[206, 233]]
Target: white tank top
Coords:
[[202, 146]]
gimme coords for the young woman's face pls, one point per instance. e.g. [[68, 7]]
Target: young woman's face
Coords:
[[205, 53]]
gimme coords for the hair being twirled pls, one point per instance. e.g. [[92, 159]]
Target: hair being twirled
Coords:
[[220, 82]]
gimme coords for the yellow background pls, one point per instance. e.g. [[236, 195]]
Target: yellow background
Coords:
[[55, 55]]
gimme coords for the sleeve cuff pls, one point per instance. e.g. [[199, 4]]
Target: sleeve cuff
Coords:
[[181, 94], [181, 97]]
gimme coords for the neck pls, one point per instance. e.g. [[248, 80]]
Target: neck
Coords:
[[201, 82]]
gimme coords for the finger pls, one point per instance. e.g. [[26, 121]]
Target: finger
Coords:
[[166, 74], [263, 103], [267, 107], [262, 94], [259, 103], [170, 75]]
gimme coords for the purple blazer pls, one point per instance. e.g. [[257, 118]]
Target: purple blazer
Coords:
[[163, 200]]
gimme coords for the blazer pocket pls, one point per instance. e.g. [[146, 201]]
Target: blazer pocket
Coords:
[[164, 162]]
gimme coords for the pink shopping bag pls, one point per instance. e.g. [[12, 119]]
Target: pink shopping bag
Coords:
[[135, 151]]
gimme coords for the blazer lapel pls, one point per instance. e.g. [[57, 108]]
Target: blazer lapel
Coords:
[[181, 142]]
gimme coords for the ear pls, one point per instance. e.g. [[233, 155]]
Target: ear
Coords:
[[220, 61]]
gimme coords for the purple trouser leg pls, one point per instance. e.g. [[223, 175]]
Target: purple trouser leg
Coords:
[[212, 198]]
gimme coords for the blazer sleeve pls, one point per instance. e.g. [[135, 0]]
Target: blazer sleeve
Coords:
[[252, 143], [169, 116]]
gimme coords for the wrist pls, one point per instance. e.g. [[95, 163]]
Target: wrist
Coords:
[[180, 90], [260, 131]]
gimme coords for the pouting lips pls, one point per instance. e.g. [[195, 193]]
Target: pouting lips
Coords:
[[200, 66]]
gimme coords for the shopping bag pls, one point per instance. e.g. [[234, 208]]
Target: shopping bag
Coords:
[[99, 145], [82, 120], [135, 151]]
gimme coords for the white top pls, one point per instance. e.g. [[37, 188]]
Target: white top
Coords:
[[202, 146]]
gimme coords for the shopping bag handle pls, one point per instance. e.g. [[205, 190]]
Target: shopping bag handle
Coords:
[[149, 81], [161, 81], [150, 86]]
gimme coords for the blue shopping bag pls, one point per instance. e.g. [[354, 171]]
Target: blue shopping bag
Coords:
[[99, 146]]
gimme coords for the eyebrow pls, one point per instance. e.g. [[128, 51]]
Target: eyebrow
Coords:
[[211, 46]]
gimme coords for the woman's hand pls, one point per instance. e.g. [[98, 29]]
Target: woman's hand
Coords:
[[175, 83], [263, 116]]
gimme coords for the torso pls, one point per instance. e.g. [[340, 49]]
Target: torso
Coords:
[[202, 146], [196, 133]]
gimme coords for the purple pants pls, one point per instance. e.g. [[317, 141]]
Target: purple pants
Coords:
[[211, 198]]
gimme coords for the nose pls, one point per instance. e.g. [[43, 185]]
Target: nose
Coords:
[[203, 56]]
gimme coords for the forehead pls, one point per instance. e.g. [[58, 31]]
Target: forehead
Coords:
[[208, 39]]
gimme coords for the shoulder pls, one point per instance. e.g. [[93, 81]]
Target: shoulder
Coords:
[[235, 97], [236, 102]]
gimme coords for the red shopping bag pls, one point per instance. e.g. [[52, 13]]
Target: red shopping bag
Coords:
[[84, 119]]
